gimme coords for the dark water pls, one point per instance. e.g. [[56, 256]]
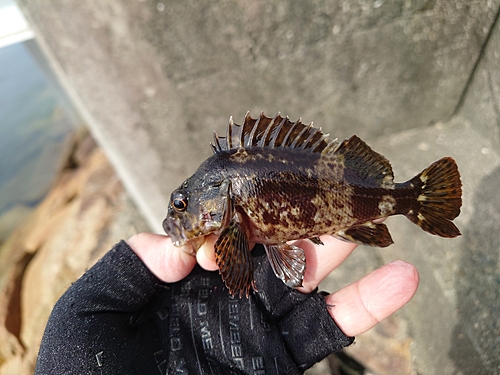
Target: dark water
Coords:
[[35, 121]]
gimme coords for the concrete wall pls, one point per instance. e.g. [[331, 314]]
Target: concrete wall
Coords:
[[148, 72], [416, 79]]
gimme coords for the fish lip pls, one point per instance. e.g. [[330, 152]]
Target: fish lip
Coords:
[[175, 231]]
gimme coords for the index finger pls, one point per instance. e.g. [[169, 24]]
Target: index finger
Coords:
[[361, 305], [322, 259]]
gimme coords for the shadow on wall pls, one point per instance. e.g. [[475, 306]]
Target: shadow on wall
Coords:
[[478, 286]]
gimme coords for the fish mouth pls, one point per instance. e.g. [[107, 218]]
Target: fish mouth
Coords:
[[175, 230]]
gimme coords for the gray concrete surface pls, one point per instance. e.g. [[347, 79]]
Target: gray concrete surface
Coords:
[[480, 101], [417, 80], [452, 321], [443, 312]]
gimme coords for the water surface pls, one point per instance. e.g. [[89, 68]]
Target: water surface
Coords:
[[36, 121]]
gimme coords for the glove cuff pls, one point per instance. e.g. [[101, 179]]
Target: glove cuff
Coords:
[[310, 334]]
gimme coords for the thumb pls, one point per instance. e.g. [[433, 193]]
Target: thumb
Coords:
[[166, 261]]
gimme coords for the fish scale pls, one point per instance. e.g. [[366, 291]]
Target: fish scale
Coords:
[[271, 180]]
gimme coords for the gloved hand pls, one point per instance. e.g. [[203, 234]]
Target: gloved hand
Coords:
[[147, 307]]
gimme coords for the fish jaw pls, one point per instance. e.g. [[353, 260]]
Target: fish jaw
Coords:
[[179, 238], [175, 230]]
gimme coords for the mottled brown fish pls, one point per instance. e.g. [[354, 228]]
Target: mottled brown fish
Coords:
[[271, 180]]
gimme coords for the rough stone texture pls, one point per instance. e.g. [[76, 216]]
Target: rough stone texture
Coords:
[[371, 67], [85, 213], [153, 79], [480, 103], [149, 72], [458, 293]]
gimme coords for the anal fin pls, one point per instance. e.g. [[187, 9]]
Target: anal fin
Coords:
[[234, 259], [288, 263], [369, 233]]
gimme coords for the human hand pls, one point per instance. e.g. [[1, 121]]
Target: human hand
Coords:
[[355, 308]]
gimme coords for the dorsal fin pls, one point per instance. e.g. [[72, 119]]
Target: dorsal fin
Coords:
[[361, 163], [275, 132]]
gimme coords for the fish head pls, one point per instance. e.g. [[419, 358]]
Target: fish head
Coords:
[[196, 210]]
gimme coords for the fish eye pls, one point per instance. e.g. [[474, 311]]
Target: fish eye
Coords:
[[179, 202]]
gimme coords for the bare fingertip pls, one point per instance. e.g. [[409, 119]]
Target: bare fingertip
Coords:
[[361, 305], [401, 270], [389, 288], [407, 268]]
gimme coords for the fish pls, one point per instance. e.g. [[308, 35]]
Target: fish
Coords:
[[271, 181]]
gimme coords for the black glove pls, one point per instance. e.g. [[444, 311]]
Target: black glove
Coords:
[[119, 318]]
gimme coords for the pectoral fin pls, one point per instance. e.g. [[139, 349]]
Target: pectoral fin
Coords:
[[235, 262], [369, 233], [316, 241], [288, 263]]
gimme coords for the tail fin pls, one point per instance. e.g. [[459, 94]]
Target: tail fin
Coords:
[[439, 199]]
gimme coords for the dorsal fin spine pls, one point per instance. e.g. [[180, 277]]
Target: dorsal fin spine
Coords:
[[265, 140], [332, 146], [300, 135], [229, 131], [290, 131], [317, 145], [216, 145], [276, 132], [254, 129], [310, 138], [324, 137]]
